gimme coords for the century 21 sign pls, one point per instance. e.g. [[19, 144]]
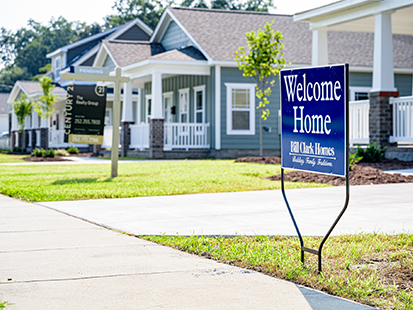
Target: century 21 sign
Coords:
[[313, 112]]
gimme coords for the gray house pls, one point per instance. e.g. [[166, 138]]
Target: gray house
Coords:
[[194, 101]]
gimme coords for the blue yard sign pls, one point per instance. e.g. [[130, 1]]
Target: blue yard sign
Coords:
[[313, 111]]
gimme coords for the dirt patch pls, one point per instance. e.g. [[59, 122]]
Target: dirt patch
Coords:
[[361, 174]]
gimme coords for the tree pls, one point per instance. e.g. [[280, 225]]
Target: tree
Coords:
[[263, 61], [45, 106], [22, 108]]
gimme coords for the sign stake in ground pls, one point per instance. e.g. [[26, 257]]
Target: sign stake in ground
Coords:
[[314, 130], [117, 79]]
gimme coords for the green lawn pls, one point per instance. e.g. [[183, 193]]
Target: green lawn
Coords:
[[75, 182], [5, 158], [373, 269]]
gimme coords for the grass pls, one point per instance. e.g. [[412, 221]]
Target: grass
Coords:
[[6, 158], [75, 182], [374, 269], [3, 304]]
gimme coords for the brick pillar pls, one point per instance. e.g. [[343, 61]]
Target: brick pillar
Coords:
[[12, 139], [22, 139], [125, 138], [44, 138], [156, 128], [381, 117]]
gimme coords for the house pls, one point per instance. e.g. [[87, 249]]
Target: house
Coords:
[[387, 116], [187, 97], [193, 100], [50, 132], [4, 123]]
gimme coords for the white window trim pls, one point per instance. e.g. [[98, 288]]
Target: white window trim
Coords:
[[230, 87], [184, 90], [147, 115], [169, 94], [358, 89], [200, 88]]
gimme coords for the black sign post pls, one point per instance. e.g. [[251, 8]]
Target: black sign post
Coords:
[[314, 130], [85, 114]]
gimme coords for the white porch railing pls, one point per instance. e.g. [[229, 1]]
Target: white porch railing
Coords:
[[359, 121], [56, 138], [186, 136], [107, 136], [402, 119], [38, 142], [139, 136]]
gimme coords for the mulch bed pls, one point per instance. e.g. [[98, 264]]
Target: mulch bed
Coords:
[[57, 158], [361, 174]]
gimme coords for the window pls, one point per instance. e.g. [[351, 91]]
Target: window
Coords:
[[183, 105], [167, 104], [58, 66], [199, 104], [240, 109], [148, 106], [359, 93]]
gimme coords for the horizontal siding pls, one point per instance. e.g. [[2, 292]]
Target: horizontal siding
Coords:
[[135, 34], [174, 37], [270, 140], [109, 63], [360, 79], [403, 83]]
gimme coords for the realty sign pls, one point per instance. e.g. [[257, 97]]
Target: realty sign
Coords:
[[85, 113], [314, 106]]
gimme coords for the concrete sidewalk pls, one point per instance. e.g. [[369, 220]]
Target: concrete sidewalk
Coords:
[[49, 260], [380, 208]]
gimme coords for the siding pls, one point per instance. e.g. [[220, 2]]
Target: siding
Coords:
[[134, 34], [72, 53], [89, 61], [360, 79], [403, 82], [109, 63], [270, 140], [174, 37]]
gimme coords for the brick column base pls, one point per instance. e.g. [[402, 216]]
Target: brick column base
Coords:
[[125, 138], [381, 118], [156, 128], [22, 139], [44, 138], [12, 139], [33, 139]]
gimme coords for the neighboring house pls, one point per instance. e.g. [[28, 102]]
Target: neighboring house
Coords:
[[80, 53], [193, 99], [386, 63]]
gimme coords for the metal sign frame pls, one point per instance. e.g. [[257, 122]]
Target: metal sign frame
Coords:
[[318, 251]]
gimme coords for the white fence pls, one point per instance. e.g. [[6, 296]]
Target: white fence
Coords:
[[56, 138], [139, 136], [107, 136], [4, 143], [186, 136], [359, 121], [402, 119]]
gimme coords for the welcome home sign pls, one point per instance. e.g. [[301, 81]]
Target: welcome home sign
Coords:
[[314, 106]]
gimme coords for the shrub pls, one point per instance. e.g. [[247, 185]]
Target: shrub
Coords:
[[372, 154], [62, 152], [17, 149], [72, 150], [37, 152], [354, 159], [49, 153]]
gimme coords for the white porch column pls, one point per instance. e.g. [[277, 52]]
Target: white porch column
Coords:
[[319, 55], [156, 108], [35, 118], [127, 111], [383, 72]]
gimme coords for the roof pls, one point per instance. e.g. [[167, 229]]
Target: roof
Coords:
[[32, 87], [130, 52], [3, 102], [221, 32]]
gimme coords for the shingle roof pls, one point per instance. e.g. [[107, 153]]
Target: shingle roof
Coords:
[[221, 32], [130, 52], [32, 87], [3, 103], [187, 53]]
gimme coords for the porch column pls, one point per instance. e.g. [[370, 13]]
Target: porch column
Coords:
[[127, 118], [44, 133], [381, 112], [156, 123], [319, 55]]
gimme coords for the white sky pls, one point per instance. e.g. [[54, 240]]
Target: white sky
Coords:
[[15, 14]]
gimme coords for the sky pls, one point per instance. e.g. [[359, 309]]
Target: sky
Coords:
[[14, 14]]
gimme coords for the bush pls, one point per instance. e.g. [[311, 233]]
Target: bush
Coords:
[[372, 154], [72, 150], [62, 152], [354, 159], [17, 149], [37, 152], [49, 153]]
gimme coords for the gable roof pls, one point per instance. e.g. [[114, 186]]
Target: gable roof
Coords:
[[31, 89]]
